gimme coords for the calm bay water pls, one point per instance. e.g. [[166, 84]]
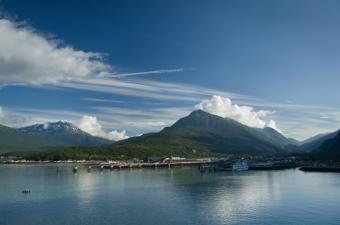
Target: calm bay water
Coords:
[[166, 196]]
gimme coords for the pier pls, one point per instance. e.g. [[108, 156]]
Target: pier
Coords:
[[119, 166], [320, 169]]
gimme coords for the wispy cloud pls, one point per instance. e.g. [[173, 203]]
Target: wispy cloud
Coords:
[[133, 88], [151, 72], [102, 100], [302, 123], [143, 88], [141, 120], [29, 58]]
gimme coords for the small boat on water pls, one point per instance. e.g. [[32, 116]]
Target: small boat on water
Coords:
[[75, 169], [26, 191], [240, 166]]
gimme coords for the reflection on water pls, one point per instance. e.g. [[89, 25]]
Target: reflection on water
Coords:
[[244, 199], [166, 196]]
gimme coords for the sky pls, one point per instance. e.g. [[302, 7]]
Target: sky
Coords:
[[118, 69]]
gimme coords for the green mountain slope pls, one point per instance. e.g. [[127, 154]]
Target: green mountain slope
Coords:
[[315, 137], [200, 133], [12, 140], [330, 146], [277, 137], [315, 142]]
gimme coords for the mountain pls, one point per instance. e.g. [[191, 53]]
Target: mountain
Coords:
[[66, 134], [293, 141], [202, 133], [330, 146], [12, 140], [316, 137], [277, 137], [315, 142]]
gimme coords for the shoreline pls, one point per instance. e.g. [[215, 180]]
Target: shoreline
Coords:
[[46, 162], [304, 167], [320, 169]]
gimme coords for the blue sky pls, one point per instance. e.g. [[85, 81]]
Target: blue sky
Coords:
[[137, 66]]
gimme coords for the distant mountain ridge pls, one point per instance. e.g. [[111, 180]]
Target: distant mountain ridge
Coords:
[[316, 137], [202, 132], [315, 142], [42, 137], [330, 146], [12, 140], [65, 133], [199, 133], [277, 137]]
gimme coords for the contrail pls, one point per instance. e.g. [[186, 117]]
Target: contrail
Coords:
[[147, 73]]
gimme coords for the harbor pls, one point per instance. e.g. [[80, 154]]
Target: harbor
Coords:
[[146, 165], [203, 166]]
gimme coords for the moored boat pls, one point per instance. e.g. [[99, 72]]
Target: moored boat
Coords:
[[240, 166]]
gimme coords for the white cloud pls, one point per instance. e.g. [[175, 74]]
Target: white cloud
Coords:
[[91, 125], [117, 135], [46, 125], [272, 124], [2, 113], [11, 119], [27, 57], [244, 114], [324, 117], [30, 58], [102, 100]]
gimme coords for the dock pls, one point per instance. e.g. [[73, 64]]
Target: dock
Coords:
[[273, 167], [118, 166], [320, 169]]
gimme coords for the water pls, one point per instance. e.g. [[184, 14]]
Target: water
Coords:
[[166, 196]]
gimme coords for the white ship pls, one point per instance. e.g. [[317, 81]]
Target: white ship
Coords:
[[240, 166]]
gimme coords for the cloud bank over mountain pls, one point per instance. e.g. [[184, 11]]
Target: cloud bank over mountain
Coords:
[[246, 115], [91, 125]]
